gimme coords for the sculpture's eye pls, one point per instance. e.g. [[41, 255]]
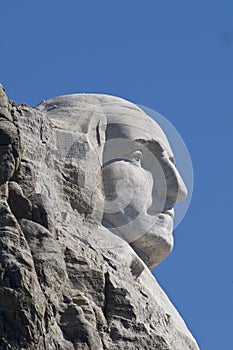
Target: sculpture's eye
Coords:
[[137, 155]]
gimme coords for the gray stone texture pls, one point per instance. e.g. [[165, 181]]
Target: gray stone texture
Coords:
[[68, 282]]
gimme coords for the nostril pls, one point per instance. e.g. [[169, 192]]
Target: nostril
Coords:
[[168, 206]]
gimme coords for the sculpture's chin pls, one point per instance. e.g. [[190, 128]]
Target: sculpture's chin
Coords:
[[150, 236], [154, 246]]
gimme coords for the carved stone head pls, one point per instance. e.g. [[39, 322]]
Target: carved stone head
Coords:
[[114, 139]]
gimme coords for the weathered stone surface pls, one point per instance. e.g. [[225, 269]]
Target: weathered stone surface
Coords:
[[10, 144], [67, 281]]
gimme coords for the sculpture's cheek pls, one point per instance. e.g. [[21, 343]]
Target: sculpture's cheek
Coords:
[[128, 188], [128, 196]]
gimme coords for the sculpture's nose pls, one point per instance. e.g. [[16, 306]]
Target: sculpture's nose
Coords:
[[168, 187], [176, 189]]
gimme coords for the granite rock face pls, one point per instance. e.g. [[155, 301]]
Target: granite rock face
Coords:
[[66, 281]]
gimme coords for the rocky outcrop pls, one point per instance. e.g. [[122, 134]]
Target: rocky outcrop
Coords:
[[66, 281]]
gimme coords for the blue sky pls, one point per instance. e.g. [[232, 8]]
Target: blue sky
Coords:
[[175, 57]]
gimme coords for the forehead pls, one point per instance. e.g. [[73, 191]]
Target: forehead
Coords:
[[123, 118], [133, 124], [136, 134]]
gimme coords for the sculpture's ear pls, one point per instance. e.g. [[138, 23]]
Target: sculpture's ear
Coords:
[[81, 154], [79, 130], [97, 127]]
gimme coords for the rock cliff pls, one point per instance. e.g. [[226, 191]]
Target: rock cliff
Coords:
[[66, 281]]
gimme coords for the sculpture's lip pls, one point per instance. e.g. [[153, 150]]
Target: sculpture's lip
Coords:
[[169, 212]]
